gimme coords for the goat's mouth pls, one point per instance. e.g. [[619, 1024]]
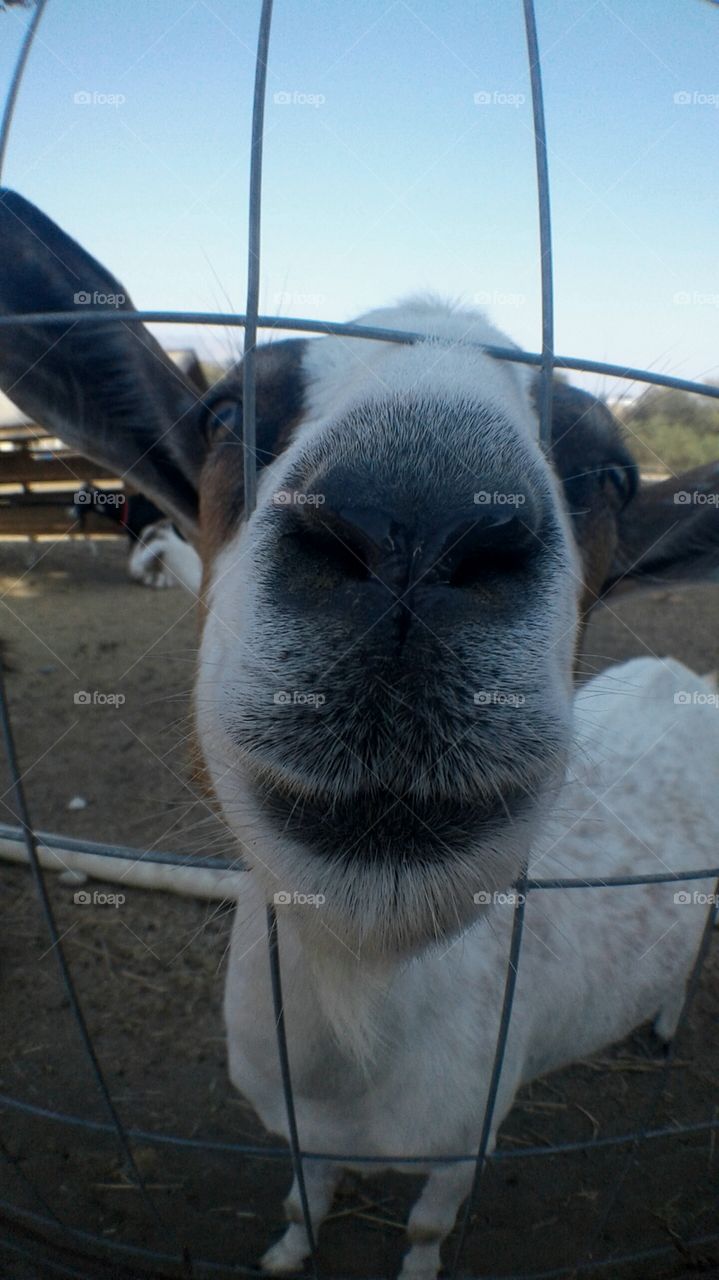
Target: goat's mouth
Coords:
[[377, 824], [392, 876]]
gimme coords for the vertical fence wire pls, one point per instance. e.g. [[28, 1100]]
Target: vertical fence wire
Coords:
[[17, 791], [545, 433], [493, 1089], [249, 447], [249, 381], [545, 227], [295, 1149], [11, 99], [19, 807]]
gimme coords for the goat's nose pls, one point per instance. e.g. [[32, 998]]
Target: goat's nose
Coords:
[[369, 543]]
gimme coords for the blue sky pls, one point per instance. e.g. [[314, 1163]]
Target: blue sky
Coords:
[[383, 173]]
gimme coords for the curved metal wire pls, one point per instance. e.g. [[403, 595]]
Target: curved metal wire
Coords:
[[510, 986], [18, 804], [130, 853], [12, 93], [545, 226], [279, 1010], [252, 321], [370, 333], [203, 1266], [256, 1152], [249, 424]]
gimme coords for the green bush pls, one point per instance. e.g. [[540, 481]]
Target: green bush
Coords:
[[671, 430]]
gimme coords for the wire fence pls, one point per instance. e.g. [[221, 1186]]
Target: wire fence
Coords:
[[93, 1246]]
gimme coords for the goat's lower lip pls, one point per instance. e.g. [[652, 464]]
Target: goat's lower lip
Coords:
[[380, 824]]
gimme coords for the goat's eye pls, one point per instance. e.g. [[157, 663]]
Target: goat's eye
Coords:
[[224, 420], [622, 479]]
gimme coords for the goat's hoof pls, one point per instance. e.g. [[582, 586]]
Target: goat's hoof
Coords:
[[420, 1265], [419, 1273], [664, 1029], [287, 1255], [157, 579]]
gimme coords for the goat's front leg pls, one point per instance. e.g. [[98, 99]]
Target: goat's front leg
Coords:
[[432, 1219], [293, 1247]]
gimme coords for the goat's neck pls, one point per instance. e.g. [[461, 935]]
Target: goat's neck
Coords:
[[349, 995]]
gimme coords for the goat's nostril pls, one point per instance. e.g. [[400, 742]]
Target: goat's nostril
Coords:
[[366, 543], [376, 530], [335, 547], [354, 540], [487, 549]]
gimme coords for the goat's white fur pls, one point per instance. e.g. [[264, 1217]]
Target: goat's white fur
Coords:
[[394, 1057], [341, 372]]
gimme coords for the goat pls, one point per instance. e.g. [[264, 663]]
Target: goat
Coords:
[[161, 557], [158, 556], [394, 1055], [384, 694]]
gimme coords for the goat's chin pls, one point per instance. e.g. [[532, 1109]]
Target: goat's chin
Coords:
[[387, 899]]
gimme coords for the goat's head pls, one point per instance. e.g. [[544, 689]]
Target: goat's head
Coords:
[[384, 695]]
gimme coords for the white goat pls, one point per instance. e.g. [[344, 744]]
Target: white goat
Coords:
[[384, 699], [159, 558], [392, 1055]]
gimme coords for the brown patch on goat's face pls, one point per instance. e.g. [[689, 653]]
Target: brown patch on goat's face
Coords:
[[598, 476], [279, 389], [221, 499]]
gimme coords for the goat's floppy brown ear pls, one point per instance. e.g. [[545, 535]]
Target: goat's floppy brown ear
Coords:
[[108, 389], [669, 532]]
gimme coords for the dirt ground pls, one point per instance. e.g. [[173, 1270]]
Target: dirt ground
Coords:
[[149, 975]]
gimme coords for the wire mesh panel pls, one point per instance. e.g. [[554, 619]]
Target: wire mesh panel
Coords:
[[51, 1228]]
